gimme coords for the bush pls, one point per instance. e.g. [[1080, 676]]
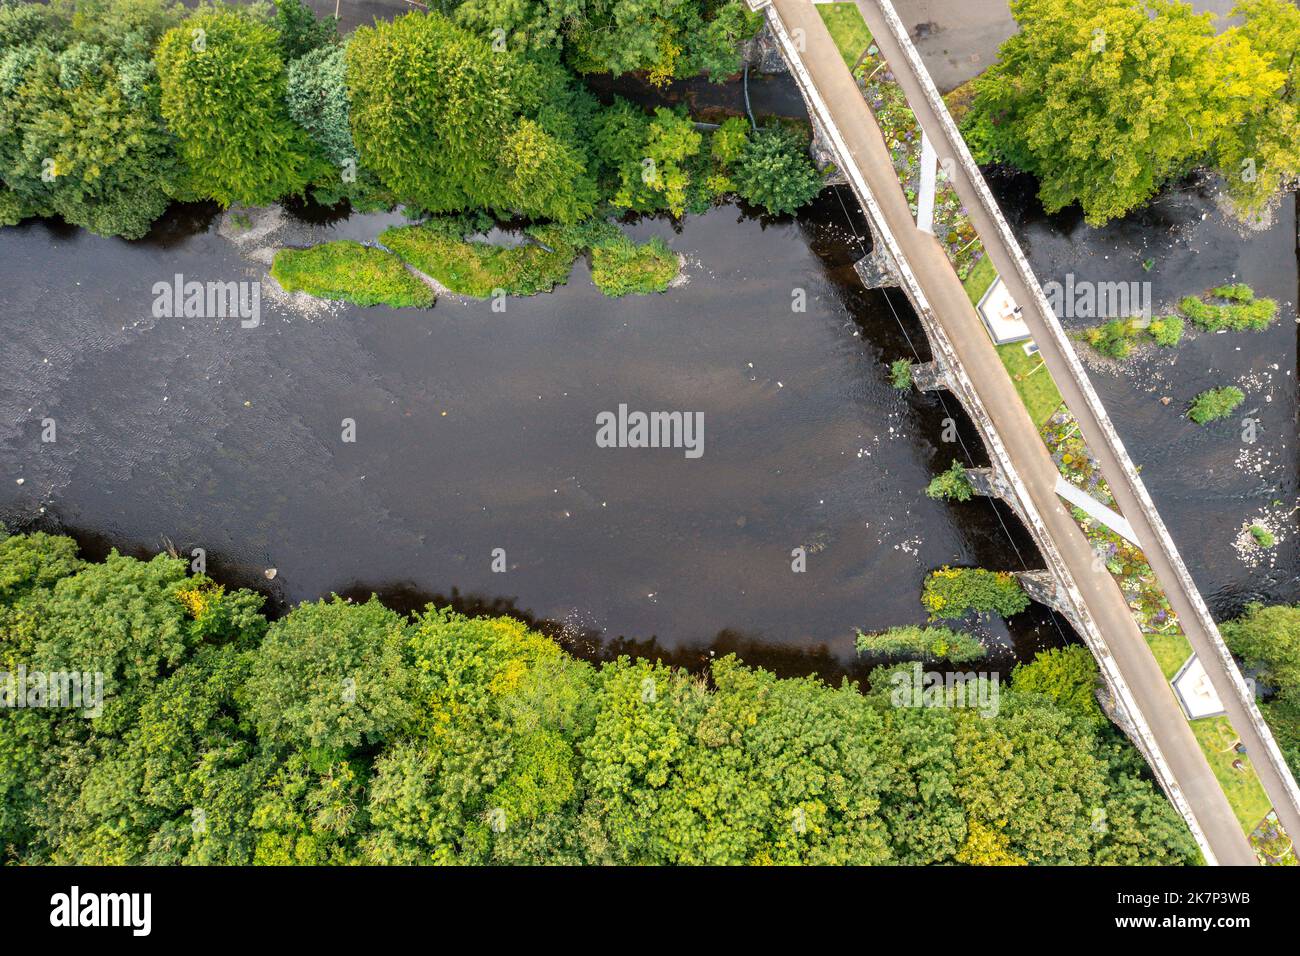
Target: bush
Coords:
[[1215, 403], [774, 171], [950, 592], [1263, 537], [1114, 339], [952, 485], [900, 374], [1167, 331], [350, 272], [1236, 309], [929, 643], [480, 269], [619, 266]]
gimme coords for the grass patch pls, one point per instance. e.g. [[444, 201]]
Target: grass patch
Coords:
[[1032, 380], [350, 272], [981, 277], [847, 29], [1242, 787], [620, 267], [1229, 307], [1171, 651], [479, 269], [1117, 337]]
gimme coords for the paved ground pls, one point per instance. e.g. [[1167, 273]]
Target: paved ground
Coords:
[[975, 351]]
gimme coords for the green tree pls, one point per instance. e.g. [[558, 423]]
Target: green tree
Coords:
[[1260, 151], [774, 171], [1065, 675], [80, 135], [1149, 81], [223, 96], [437, 113], [331, 675], [300, 31]]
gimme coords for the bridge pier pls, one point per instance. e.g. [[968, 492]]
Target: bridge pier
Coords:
[[877, 269], [931, 377]]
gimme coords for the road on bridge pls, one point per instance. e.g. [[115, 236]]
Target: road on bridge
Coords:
[[954, 312]]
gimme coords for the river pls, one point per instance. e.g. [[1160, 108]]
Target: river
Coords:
[[476, 431]]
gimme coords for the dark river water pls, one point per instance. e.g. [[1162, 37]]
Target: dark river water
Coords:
[[476, 430], [1208, 482]]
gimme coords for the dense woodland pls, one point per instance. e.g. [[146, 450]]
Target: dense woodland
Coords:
[[112, 109], [344, 732]]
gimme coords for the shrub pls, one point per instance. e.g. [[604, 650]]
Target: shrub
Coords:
[[900, 374], [930, 643], [1114, 339], [1167, 331], [950, 592], [1215, 403], [951, 485], [1263, 537], [1236, 309], [480, 269], [350, 272], [619, 266]]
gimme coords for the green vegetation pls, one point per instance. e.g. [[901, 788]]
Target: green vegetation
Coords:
[[479, 269], [1215, 403], [1156, 84], [1166, 330], [950, 593], [1233, 770], [350, 272], [1065, 675], [847, 29], [1232, 307], [900, 374], [924, 643], [223, 97], [1032, 380], [345, 733], [1116, 338], [1267, 639], [621, 267], [1263, 537], [110, 109], [1171, 651], [981, 276], [774, 171], [80, 135], [951, 485]]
